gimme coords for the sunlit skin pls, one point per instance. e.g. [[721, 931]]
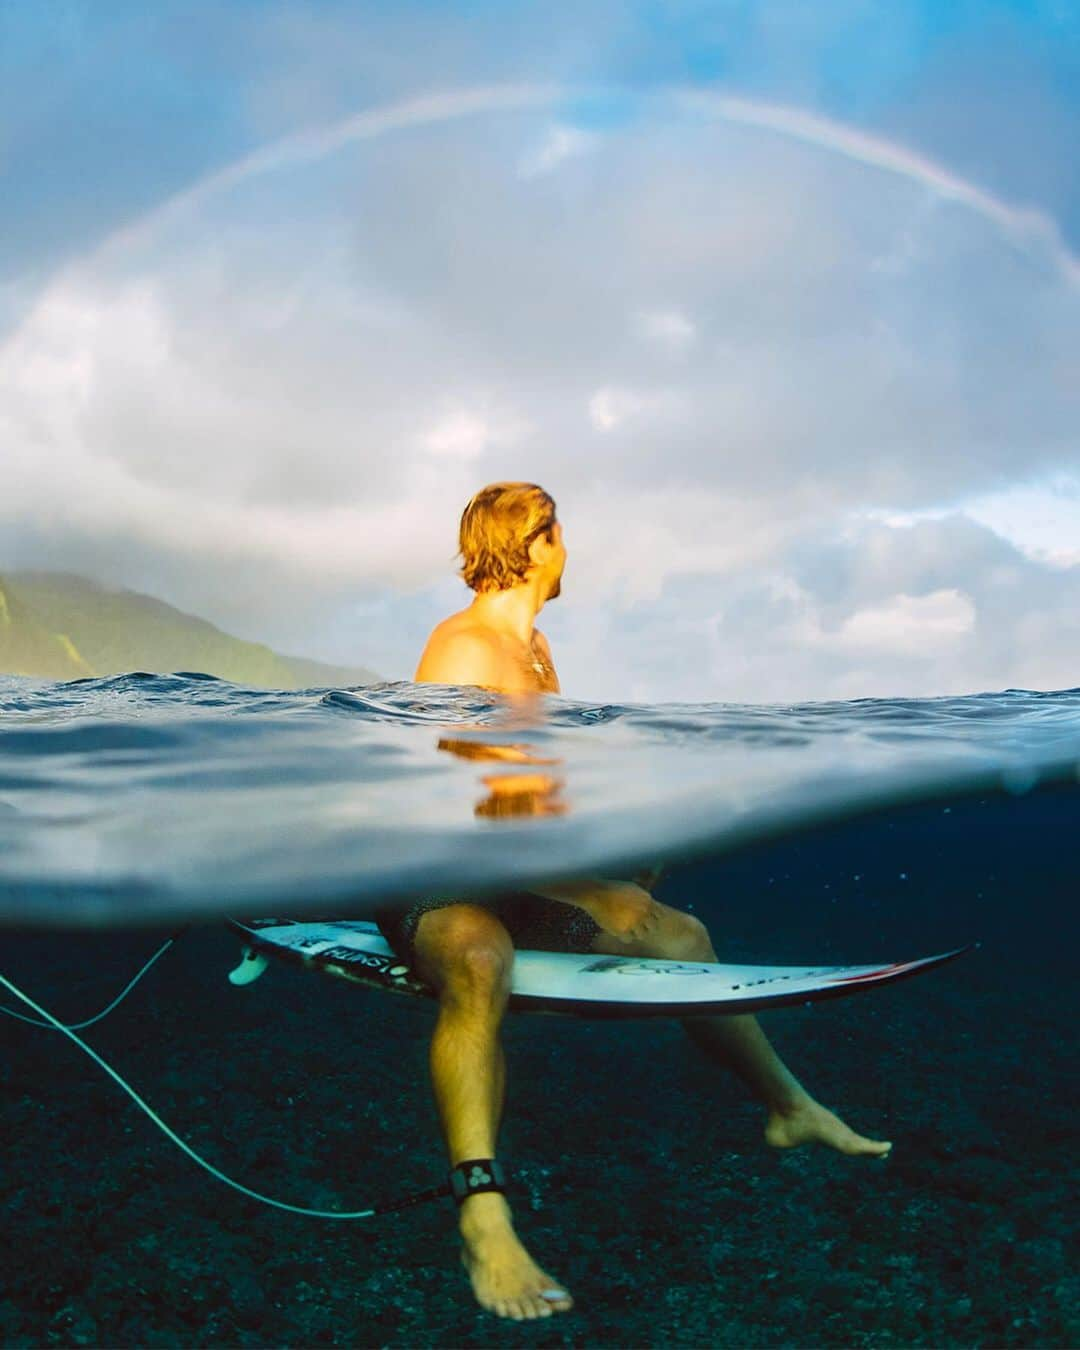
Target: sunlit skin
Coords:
[[467, 955]]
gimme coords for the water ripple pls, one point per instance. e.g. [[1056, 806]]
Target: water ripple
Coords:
[[144, 796]]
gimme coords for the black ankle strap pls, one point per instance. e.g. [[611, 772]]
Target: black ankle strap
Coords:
[[474, 1176]]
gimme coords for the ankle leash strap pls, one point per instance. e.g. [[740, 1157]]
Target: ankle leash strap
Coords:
[[474, 1176]]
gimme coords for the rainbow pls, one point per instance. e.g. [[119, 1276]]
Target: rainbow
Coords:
[[1032, 231]]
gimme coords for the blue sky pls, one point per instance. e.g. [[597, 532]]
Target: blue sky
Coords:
[[778, 299]]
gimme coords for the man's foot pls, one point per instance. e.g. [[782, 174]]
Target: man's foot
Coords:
[[505, 1278], [810, 1123]]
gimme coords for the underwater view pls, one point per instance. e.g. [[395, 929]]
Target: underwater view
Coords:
[[140, 814]]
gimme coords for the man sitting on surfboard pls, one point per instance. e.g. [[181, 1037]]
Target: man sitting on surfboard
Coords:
[[513, 559]]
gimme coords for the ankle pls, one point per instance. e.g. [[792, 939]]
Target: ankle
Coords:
[[484, 1215], [791, 1104]]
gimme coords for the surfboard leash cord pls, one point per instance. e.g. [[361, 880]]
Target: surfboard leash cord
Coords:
[[89, 1021], [45, 1019]]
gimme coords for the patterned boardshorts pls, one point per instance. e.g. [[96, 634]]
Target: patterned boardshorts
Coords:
[[533, 922]]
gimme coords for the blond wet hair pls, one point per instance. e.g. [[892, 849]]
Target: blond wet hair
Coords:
[[497, 527]]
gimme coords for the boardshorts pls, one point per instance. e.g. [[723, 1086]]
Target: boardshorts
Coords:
[[534, 923]]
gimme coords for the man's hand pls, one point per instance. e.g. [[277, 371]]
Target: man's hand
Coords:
[[621, 908]]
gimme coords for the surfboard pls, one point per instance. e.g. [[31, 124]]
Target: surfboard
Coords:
[[576, 984]]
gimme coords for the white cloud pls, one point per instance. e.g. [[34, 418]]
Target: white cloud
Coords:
[[910, 621], [670, 328], [1042, 520], [298, 379], [612, 406], [609, 407], [460, 435], [559, 144], [470, 429], [1062, 557], [625, 546]]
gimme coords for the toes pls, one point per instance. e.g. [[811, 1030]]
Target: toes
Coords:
[[876, 1148], [530, 1307], [518, 1294]]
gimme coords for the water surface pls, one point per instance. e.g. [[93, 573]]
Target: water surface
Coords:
[[145, 796]]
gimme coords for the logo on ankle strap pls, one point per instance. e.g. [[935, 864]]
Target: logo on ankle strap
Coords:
[[475, 1175]]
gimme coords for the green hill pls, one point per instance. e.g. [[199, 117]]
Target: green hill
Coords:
[[63, 627], [28, 647]]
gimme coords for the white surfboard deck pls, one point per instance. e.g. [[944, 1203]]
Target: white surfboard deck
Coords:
[[579, 984]]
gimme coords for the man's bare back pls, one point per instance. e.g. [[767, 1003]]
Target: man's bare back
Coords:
[[463, 649]]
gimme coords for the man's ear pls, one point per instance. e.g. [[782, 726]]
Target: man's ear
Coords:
[[539, 548]]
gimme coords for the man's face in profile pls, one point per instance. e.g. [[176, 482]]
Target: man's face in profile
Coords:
[[557, 562]]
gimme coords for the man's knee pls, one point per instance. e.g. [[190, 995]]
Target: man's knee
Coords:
[[697, 934], [464, 949], [685, 937]]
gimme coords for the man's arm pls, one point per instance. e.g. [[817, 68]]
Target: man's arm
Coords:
[[459, 658]]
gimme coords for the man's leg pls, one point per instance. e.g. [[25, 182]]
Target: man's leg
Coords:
[[466, 954], [735, 1040]]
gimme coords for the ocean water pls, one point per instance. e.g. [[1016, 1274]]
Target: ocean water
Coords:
[[820, 832]]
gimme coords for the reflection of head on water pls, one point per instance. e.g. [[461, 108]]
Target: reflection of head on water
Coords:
[[511, 794], [528, 794]]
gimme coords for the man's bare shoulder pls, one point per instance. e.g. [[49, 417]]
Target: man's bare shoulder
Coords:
[[460, 651], [462, 627]]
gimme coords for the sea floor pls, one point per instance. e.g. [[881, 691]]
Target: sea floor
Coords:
[[643, 1180]]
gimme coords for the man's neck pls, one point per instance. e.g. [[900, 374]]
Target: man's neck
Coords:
[[510, 611]]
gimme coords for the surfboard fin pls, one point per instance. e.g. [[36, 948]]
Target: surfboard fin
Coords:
[[250, 968]]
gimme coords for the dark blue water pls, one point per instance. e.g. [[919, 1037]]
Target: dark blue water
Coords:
[[846, 832]]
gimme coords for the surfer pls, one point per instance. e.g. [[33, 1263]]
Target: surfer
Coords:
[[513, 557]]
